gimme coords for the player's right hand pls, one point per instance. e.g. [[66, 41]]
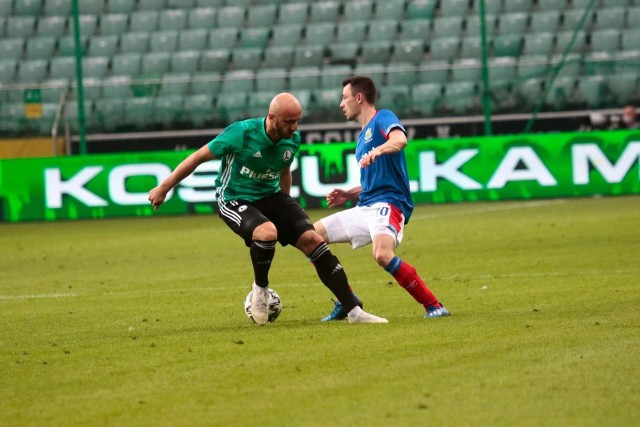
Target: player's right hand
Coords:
[[337, 198], [156, 197]]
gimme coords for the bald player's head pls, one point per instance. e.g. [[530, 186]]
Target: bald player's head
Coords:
[[285, 112]]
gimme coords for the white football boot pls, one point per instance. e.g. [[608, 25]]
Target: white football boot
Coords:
[[358, 315], [259, 305]]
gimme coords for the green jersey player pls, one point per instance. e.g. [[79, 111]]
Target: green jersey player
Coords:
[[252, 189]]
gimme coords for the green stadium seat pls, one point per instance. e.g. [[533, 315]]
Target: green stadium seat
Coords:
[[209, 3], [139, 112], [88, 24], [397, 98], [62, 67], [8, 69], [286, 35], [331, 76], [617, 3], [449, 26], [66, 45], [168, 109], [327, 101], [533, 66], [223, 38], [155, 62], [376, 51], [356, 10], [561, 93], [52, 26], [572, 65], [558, 5], [473, 25], [572, 18], [110, 112], [623, 85], [538, 44], [324, 11], [472, 47], [144, 20], [114, 23], [117, 87], [254, 37], [293, 12], [343, 53], [215, 60], [426, 97], [27, 7], [135, 42], [466, 70], [259, 103], [321, 33], [308, 56], [507, 45], [32, 70], [193, 39], [502, 70], [304, 96], [181, 4], [175, 84], [414, 29], [41, 47], [627, 60], [564, 38], [513, 23], [54, 8], [232, 106], [271, 80], [444, 48], [630, 39], [408, 51], [633, 17], [592, 90], [421, 9], [163, 41], [201, 17], [516, 6], [230, 16], [401, 73], [348, 31], [151, 4], [248, 58], [610, 18], [95, 66], [546, 21], [434, 71], [172, 20], [389, 9], [304, 78], [93, 7], [491, 7], [238, 81], [185, 61], [126, 64], [454, 7], [599, 63], [103, 45], [261, 15], [460, 97], [376, 71], [382, 29], [278, 56], [208, 83], [120, 6], [605, 40], [20, 26]]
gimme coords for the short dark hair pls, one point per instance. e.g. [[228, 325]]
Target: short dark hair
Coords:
[[363, 85]]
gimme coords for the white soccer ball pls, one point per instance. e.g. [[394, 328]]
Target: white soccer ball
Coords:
[[275, 305]]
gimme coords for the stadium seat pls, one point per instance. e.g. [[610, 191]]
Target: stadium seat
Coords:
[[592, 90], [460, 97], [126, 64], [248, 58], [610, 18], [209, 3], [426, 97], [215, 60], [376, 51], [502, 69], [117, 87], [186, 61], [308, 56], [450, 26], [201, 17], [401, 73], [278, 56], [327, 101], [605, 40], [444, 48], [561, 93], [168, 109], [93, 7], [172, 20], [137, 42], [343, 53], [32, 70], [293, 12], [630, 39], [207, 83], [193, 39], [434, 71], [259, 103], [421, 9], [138, 111], [534, 66], [564, 38], [40, 47], [52, 26], [62, 67], [454, 8], [232, 106], [472, 47], [321, 33], [7, 70], [27, 7], [571, 19], [324, 11], [466, 70], [382, 29], [155, 62], [144, 20], [512, 23], [52, 89], [261, 15], [103, 45], [304, 78], [507, 45], [181, 4], [20, 26], [54, 8], [376, 71], [623, 85], [358, 10], [230, 16], [408, 51], [547, 21], [67, 45], [163, 41], [491, 7], [254, 37], [114, 23], [616, 3], [331, 76], [348, 31], [271, 79], [88, 24], [238, 81], [151, 4], [571, 66], [516, 6], [389, 9], [223, 38], [286, 35], [538, 44], [397, 98], [175, 84], [414, 29], [473, 25], [633, 17], [95, 66], [558, 5], [110, 112]]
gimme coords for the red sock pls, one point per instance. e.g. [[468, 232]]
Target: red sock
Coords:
[[408, 278]]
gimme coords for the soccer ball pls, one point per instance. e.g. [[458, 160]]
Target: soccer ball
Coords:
[[275, 305]]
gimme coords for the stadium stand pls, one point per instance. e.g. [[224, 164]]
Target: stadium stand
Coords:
[[213, 54]]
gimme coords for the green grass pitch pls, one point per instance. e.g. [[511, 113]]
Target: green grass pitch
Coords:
[[140, 322]]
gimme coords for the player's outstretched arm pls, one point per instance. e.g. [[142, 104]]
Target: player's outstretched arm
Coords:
[[183, 170], [338, 197], [396, 142]]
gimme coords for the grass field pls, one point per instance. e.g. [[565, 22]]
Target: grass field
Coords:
[[139, 322]]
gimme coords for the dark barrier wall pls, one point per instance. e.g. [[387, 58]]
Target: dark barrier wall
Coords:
[[441, 170]]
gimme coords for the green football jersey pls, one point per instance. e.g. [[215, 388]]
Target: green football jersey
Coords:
[[251, 162]]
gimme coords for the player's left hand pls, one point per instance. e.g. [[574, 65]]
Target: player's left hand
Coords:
[[156, 197], [370, 158]]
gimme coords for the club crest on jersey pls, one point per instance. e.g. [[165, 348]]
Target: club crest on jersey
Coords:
[[286, 156], [368, 135]]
